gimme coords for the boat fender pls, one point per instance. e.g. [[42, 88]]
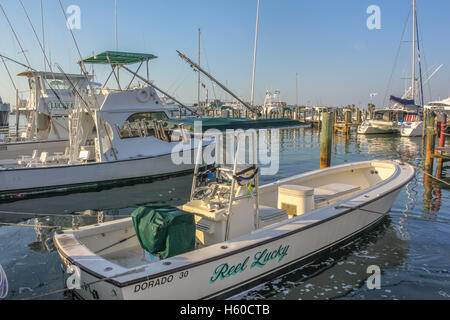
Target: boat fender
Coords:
[[142, 95]]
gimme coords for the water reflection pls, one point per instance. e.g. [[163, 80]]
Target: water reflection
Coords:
[[173, 190], [341, 273]]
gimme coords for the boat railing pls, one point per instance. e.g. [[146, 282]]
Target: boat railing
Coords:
[[11, 133]]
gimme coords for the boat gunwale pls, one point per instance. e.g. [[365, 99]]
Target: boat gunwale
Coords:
[[123, 284]]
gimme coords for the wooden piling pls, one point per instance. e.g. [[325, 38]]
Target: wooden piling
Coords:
[[326, 139], [424, 129], [348, 122], [431, 141], [440, 160]]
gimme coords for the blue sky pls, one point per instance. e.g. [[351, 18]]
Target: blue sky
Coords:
[[339, 60]]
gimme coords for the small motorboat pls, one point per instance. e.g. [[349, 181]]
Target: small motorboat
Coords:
[[232, 234]]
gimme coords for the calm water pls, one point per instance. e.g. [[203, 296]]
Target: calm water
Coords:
[[411, 247]]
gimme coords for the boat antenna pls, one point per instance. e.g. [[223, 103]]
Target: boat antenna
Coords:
[[35, 34], [197, 68], [17, 62], [16, 37], [9, 74], [254, 56]]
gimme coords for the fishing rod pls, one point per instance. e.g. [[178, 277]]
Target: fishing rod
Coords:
[[199, 69]]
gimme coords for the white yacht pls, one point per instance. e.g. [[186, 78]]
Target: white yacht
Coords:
[[114, 135], [404, 117], [439, 106], [272, 102]]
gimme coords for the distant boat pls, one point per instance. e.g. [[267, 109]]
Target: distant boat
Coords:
[[4, 119], [439, 106], [272, 102], [405, 117]]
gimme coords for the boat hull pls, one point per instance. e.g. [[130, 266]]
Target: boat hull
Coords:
[[254, 264], [17, 183], [412, 129], [377, 128]]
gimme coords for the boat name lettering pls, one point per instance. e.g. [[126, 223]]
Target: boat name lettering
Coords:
[[260, 259], [153, 283]]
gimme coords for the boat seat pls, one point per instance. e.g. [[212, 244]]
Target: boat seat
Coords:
[[334, 190], [269, 216]]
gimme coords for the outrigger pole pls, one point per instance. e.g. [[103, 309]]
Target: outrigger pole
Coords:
[[253, 110]]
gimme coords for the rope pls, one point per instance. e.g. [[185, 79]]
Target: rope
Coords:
[[55, 215], [430, 175], [3, 283], [87, 284], [30, 226]]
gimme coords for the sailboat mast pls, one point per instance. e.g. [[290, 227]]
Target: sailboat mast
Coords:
[[413, 86], [254, 57]]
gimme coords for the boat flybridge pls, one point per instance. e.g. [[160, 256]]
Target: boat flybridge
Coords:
[[50, 100], [115, 135], [272, 102], [404, 117], [232, 233]]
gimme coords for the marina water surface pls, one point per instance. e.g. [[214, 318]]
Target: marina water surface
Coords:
[[410, 247]]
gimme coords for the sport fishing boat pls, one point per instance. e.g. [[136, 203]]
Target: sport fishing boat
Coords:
[[114, 135], [47, 112], [272, 102], [232, 234]]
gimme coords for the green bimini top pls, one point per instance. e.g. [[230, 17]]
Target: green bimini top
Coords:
[[116, 57], [223, 124]]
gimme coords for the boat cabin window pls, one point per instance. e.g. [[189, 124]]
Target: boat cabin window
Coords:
[[141, 125], [148, 116]]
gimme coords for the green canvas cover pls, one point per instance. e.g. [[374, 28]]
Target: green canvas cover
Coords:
[[224, 124], [164, 231]]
